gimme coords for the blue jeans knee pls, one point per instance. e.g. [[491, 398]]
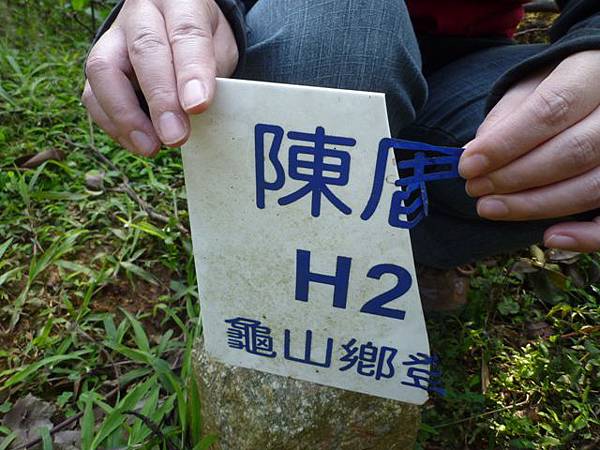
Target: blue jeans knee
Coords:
[[366, 45]]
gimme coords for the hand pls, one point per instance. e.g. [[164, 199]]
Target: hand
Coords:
[[537, 154], [172, 52]]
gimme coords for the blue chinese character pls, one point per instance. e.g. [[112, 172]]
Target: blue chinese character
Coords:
[[423, 378], [307, 358], [317, 165], [417, 164], [250, 335], [370, 360]]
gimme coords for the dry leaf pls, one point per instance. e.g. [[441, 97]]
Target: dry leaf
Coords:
[[524, 265], [562, 256], [67, 440], [485, 376], [27, 416], [34, 160], [539, 329], [94, 181]]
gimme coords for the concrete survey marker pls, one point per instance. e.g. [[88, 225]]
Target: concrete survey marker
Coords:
[[302, 268]]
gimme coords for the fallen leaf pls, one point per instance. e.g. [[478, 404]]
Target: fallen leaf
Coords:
[[524, 265], [94, 181], [562, 256], [545, 287], [467, 269], [34, 160], [539, 329], [27, 416], [557, 278], [485, 376], [576, 276], [67, 440]]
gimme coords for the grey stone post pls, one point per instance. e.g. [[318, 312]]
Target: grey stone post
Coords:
[[251, 410]]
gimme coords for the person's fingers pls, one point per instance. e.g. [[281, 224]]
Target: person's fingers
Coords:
[[97, 113], [574, 236], [190, 29], [226, 49], [565, 198], [151, 58], [106, 69], [103, 121], [571, 153], [564, 98], [513, 98]]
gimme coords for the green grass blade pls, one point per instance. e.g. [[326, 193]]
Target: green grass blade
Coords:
[[46, 439], [140, 337], [115, 418], [53, 253], [193, 407], [137, 270], [134, 354], [8, 440], [87, 423], [206, 442], [150, 229], [140, 431], [14, 64], [32, 368], [55, 195], [7, 276], [6, 97], [4, 247]]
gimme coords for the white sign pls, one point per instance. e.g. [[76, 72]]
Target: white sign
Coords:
[[300, 270]]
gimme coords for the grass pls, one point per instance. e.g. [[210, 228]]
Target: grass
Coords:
[[98, 304], [521, 364]]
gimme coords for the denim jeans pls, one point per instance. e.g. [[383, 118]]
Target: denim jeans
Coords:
[[371, 45]]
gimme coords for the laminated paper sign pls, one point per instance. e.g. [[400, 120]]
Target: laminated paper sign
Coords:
[[302, 269]]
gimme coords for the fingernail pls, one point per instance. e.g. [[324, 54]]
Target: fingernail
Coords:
[[194, 94], [142, 142], [171, 128], [471, 166], [480, 186], [492, 208], [561, 241]]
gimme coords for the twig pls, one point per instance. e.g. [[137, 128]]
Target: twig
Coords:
[[154, 428], [126, 186], [530, 30], [74, 17], [487, 413], [93, 13], [33, 228], [590, 330]]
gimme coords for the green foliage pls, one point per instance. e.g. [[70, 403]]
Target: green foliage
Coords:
[[102, 300], [520, 372]]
